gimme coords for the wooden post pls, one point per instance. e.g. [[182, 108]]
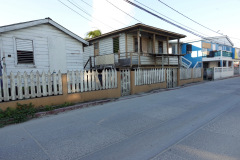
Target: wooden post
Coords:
[[118, 54], [167, 45], [131, 60], [168, 49], [162, 61], [126, 48], [138, 39], [154, 39], [178, 46]]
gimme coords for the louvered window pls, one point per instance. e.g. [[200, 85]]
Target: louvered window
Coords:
[[115, 45], [24, 51]]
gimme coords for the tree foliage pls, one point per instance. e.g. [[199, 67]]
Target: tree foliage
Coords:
[[93, 34]]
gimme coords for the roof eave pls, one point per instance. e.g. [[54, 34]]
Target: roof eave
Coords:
[[135, 26], [39, 22]]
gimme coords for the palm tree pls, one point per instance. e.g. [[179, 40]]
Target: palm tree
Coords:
[[93, 34]]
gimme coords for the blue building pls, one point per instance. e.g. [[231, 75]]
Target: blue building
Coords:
[[209, 52]]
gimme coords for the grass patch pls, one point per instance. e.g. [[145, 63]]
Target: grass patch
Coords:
[[24, 112]]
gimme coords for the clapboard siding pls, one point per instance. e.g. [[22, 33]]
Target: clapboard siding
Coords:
[[130, 44], [88, 51], [105, 47], [40, 35], [106, 44]]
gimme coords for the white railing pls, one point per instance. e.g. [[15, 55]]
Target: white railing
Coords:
[[83, 81], [198, 64], [186, 63], [222, 72], [24, 86], [197, 72], [149, 76], [185, 73]]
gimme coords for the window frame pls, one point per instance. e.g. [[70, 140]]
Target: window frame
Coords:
[[159, 46], [135, 49], [118, 43], [97, 42], [188, 52], [16, 56]]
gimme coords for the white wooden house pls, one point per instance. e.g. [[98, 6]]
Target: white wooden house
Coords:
[[40, 45], [138, 45]]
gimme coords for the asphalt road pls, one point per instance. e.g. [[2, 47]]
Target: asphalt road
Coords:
[[196, 122]]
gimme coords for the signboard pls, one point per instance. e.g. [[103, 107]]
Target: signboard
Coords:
[[237, 53], [206, 45]]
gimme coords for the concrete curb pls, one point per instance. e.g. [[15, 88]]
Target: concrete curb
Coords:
[[69, 108], [100, 102]]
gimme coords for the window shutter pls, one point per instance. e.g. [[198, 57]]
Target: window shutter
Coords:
[[24, 45], [24, 51]]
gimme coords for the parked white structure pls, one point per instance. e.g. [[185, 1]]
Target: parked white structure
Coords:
[[222, 72], [40, 45]]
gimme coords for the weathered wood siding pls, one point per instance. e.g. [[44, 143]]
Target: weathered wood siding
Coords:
[[41, 36], [105, 47], [88, 51]]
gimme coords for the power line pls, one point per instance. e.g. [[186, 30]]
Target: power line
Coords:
[[109, 17], [89, 14], [188, 17], [74, 11], [170, 18], [164, 19], [123, 11]]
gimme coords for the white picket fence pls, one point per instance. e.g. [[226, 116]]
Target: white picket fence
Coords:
[[185, 73], [197, 72], [149, 76], [83, 81], [25, 86]]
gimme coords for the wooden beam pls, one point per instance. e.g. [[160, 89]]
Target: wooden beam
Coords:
[[138, 39], [178, 46], [167, 45], [160, 34], [126, 47], [168, 49], [154, 39]]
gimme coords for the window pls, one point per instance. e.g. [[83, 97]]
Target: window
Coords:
[[136, 45], [24, 49], [214, 47], [96, 49], [219, 47], [228, 48], [160, 47], [96, 45], [189, 48], [173, 49], [115, 45]]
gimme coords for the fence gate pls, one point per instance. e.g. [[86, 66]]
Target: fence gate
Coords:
[[171, 77], [125, 82]]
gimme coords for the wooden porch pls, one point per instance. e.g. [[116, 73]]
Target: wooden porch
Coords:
[[134, 60]]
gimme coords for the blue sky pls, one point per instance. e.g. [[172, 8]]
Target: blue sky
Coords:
[[216, 14]]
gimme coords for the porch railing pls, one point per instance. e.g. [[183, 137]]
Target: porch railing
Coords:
[[134, 59]]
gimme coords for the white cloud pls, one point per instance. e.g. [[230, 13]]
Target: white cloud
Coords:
[[111, 18]]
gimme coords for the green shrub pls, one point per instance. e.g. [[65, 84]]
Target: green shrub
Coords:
[[17, 115], [48, 108]]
